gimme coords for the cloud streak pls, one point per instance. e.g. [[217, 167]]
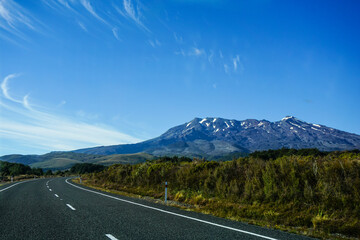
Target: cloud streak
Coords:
[[5, 88], [130, 10], [194, 51], [228, 64], [82, 26], [134, 13], [115, 32], [87, 5], [14, 19], [238, 64], [24, 124]]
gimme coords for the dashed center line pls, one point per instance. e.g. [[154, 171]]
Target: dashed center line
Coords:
[[56, 195], [71, 207], [111, 237], [50, 189]]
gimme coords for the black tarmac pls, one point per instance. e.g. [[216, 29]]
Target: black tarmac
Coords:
[[44, 209]]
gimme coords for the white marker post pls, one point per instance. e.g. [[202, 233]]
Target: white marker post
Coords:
[[12, 179], [165, 192], [80, 179]]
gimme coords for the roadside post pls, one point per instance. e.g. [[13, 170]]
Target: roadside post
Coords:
[[80, 179], [166, 185], [12, 178]]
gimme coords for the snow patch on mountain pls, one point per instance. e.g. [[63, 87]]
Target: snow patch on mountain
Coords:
[[204, 119]]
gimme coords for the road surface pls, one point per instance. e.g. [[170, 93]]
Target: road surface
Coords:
[[59, 209]]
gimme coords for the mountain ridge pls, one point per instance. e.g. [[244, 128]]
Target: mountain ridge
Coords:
[[214, 137]]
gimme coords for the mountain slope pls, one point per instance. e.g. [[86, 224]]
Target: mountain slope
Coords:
[[215, 137]]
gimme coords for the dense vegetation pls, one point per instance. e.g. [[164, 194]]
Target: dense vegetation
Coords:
[[307, 190], [81, 168], [21, 171], [15, 169], [273, 154]]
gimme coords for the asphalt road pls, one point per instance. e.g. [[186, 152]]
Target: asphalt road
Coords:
[[60, 209]]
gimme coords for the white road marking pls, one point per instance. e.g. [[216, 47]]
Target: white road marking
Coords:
[[172, 213], [56, 195], [14, 185], [71, 207], [47, 183], [50, 190], [111, 237]]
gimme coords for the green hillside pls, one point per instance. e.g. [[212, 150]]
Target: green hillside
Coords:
[[124, 159], [65, 160], [56, 163]]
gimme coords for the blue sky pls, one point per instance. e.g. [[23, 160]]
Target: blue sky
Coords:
[[83, 73]]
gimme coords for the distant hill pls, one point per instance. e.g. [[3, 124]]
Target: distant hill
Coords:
[[65, 160], [213, 138]]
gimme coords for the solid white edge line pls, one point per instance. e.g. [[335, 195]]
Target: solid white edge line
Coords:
[[175, 214], [15, 185], [71, 207], [111, 237]]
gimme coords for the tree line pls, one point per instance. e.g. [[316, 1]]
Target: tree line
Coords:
[[16, 169], [8, 169]]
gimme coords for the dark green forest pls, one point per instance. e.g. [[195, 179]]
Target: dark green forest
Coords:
[[8, 169], [81, 168], [16, 169], [307, 191]]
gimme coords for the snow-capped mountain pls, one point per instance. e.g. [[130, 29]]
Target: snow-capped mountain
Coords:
[[214, 137]]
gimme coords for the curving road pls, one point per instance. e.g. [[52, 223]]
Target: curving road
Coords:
[[59, 209]]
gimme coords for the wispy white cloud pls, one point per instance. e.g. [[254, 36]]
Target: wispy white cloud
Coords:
[[26, 103], [197, 52], [87, 5], [221, 54], [178, 38], [115, 32], [65, 3], [237, 64], [194, 51], [216, 58], [58, 4], [211, 57], [133, 12], [106, 14], [5, 87], [14, 19], [82, 26], [180, 52], [24, 124], [154, 43]]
